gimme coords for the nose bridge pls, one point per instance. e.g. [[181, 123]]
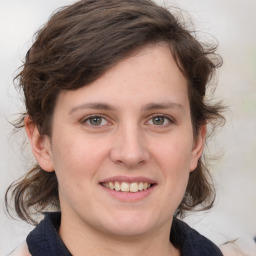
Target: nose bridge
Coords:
[[129, 147]]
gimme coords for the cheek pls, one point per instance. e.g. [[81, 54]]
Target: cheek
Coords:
[[77, 160], [174, 154], [75, 167], [174, 160]]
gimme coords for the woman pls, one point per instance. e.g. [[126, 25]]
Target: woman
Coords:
[[116, 117]]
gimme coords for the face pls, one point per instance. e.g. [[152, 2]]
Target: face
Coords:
[[123, 146]]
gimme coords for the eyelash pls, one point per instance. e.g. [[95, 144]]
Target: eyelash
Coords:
[[88, 118], [166, 118]]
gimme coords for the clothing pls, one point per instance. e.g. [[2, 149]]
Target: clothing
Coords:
[[44, 239]]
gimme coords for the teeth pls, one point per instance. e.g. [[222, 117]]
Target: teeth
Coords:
[[134, 187], [141, 187], [117, 186], [127, 187], [111, 185]]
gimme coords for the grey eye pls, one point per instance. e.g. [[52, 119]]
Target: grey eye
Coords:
[[96, 120], [158, 120]]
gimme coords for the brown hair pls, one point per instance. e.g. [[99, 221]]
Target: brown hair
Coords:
[[78, 45]]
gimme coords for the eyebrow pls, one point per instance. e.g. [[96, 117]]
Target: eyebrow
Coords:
[[165, 105], [101, 106], [148, 107]]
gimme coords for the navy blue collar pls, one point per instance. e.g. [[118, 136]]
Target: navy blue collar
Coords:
[[190, 242], [44, 239]]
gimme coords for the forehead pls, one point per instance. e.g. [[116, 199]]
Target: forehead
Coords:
[[149, 75]]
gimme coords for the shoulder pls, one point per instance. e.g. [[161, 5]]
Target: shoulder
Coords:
[[241, 246], [21, 250], [231, 250]]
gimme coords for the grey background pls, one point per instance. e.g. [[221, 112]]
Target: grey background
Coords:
[[233, 24]]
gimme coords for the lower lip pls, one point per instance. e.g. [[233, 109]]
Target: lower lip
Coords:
[[130, 196]]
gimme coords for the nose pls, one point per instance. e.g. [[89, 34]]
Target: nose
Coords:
[[129, 147]]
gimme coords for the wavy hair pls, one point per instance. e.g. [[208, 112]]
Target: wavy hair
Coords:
[[78, 45]]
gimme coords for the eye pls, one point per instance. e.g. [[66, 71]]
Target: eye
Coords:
[[160, 120], [95, 121]]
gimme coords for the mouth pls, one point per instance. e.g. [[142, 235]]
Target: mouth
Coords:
[[132, 187]]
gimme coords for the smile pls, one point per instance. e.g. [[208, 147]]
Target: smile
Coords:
[[127, 187]]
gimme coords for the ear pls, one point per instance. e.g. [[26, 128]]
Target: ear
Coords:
[[40, 145], [198, 147]]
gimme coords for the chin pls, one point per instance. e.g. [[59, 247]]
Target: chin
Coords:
[[130, 230], [131, 224]]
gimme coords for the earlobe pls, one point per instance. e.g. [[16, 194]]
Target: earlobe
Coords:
[[40, 145], [198, 147]]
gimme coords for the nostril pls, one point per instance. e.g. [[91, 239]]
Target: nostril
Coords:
[[129, 151]]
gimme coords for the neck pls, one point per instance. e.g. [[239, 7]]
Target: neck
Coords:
[[84, 240]]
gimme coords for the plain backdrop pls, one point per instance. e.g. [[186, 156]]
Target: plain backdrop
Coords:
[[233, 24]]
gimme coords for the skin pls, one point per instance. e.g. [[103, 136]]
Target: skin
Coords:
[[144, 130], [231, 250]]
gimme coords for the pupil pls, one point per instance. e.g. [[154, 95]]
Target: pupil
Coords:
[[158, 120], [96, 120]]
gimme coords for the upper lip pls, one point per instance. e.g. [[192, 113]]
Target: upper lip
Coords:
[[128, 179]]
